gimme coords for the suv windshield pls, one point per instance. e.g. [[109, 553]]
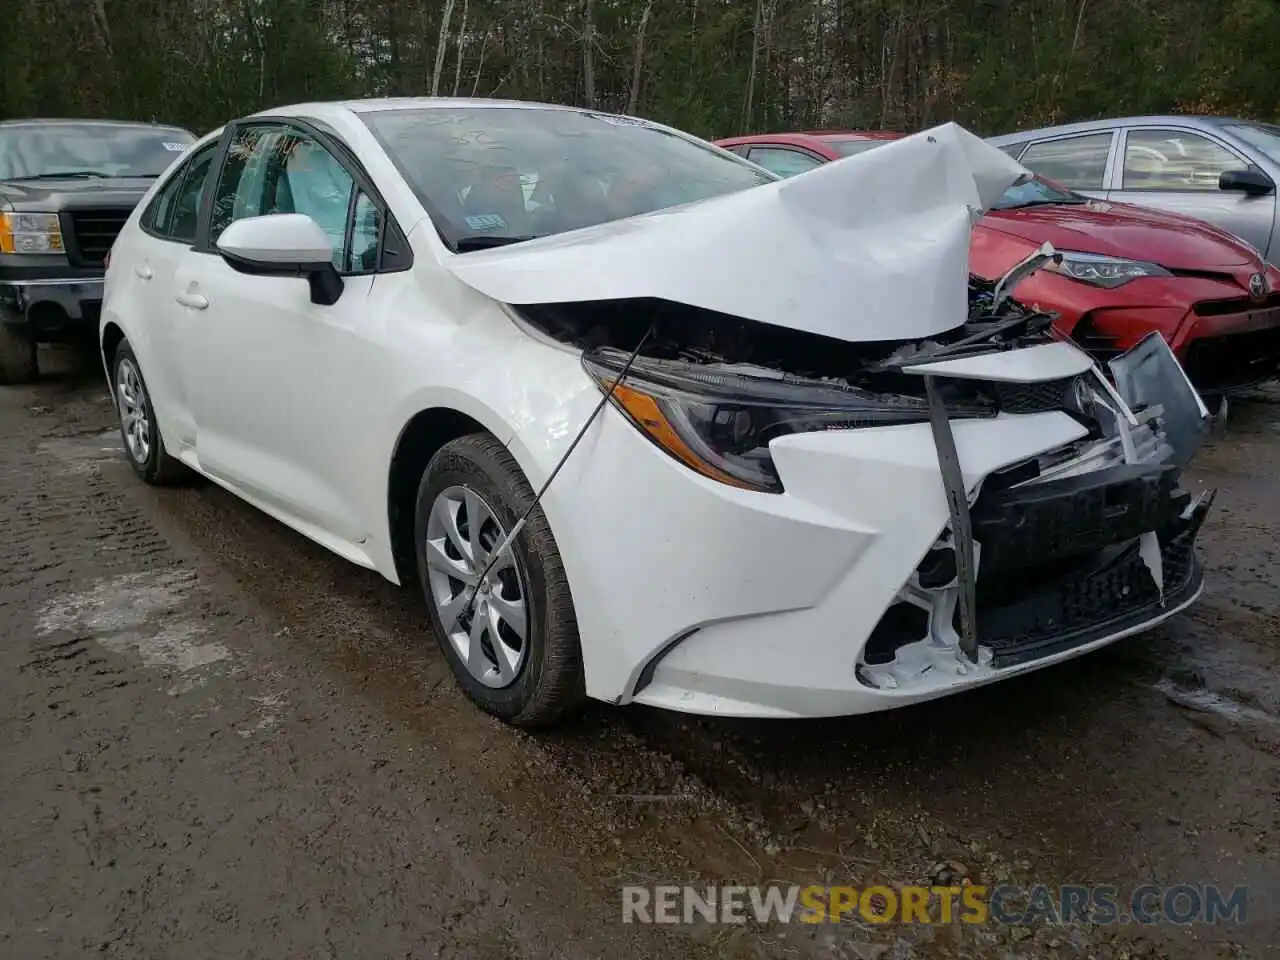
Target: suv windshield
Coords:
[[48, 150], [494, 175]]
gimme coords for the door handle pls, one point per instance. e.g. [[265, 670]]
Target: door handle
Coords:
[[144, 272], [193, 300]]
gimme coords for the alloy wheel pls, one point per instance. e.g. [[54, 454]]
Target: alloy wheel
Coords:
[[490, 635], [134, 416]]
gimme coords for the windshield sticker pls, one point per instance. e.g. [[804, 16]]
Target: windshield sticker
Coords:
[[486, 221], [174, 147]]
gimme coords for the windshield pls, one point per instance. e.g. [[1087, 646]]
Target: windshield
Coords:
[[1035, 193], [1261, 136], [88, 150], [494, 175], [847, 148]]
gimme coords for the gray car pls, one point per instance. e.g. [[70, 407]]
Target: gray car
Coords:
[[1218, 169]]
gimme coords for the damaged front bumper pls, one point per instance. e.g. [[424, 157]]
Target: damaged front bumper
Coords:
[[1053, 599], [851, 584], [1075, 548], [1091, 543]]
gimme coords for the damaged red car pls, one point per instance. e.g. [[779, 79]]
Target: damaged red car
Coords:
[[1125, 271]]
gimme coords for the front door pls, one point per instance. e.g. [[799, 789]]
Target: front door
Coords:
[[1177, 170], [273, 373]]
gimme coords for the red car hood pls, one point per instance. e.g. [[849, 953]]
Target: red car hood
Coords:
[[1123, 230]]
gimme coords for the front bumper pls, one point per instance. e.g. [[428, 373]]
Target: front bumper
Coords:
[[1236, 358], [696, 596], [1225, 345], [50, 309]]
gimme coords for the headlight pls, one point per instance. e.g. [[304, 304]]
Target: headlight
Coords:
[[1104, 271], [720, 422], [30, 233]]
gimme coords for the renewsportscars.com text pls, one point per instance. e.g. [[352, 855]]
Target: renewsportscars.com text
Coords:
[[1150, 904]]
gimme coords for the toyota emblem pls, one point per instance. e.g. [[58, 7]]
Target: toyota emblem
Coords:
[[1258, 287]]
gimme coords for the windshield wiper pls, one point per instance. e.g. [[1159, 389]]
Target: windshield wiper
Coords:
[[483, 242], [1066, 201], [66, 175]]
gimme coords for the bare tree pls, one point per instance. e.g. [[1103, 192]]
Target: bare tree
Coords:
[[637, 66], [748, 104], [462, 36], [441, 44], [588, 54]]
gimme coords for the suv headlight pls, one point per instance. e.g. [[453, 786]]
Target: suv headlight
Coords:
[[1103, 271], [30, 233], [719, 421]]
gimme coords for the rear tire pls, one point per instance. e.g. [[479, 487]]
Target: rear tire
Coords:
[[530, 681], [18, 362], [143, 445]]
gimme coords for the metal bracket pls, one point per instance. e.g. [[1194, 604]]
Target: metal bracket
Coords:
[[958, 507]]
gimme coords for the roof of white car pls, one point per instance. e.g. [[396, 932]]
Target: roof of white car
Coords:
[[330, 108]]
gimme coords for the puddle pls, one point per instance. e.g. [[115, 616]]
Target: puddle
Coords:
[[83, 454], [145, 614]]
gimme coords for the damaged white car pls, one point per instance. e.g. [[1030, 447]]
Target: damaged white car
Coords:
[[643, 423]]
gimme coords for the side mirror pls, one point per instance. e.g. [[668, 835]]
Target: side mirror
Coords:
[[1254, 183], [283, 245]]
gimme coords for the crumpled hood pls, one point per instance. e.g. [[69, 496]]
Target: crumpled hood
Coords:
[[1123, 230], [871, 247]]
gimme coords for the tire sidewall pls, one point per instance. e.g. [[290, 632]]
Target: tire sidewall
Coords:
[[19, 363], [148, 469], [487, 478]]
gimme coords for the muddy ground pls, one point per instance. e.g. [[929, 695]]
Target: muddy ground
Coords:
[[216, 740]]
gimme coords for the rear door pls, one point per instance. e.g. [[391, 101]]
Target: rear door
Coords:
[[1177, 170], [1079, 161], [168, 230]]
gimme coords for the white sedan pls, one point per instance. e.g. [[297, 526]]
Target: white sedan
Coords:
[[704, 440]]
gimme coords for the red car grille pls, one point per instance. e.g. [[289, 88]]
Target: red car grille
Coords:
[[1234, 360], [1218, 308]]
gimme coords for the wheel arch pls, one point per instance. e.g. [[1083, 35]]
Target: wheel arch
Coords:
[[421, 436], [111, 338]]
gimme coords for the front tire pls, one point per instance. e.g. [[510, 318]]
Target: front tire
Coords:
[[18, 362], [143, 445], [515, 652]]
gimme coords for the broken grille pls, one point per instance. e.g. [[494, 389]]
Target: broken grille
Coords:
[[1033, 397], [1094, 601]]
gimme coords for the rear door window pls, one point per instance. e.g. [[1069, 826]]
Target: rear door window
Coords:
[[1079, 162], [173, 213]]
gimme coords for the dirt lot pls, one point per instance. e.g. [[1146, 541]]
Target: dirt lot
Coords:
[[220, 741]]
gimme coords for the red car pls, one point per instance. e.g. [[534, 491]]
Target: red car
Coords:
[[1126, 270]]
